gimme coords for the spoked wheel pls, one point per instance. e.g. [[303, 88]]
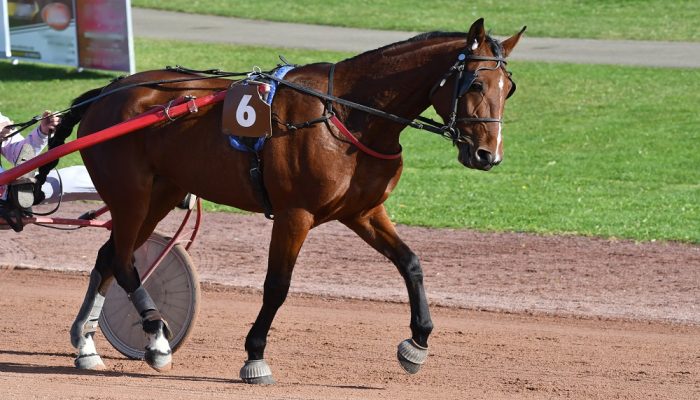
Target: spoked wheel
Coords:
[[174, 287]]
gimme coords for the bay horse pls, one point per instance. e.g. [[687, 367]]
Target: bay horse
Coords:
[[311, 173]]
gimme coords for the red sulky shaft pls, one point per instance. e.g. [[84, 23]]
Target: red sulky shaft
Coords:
[[179, 107]]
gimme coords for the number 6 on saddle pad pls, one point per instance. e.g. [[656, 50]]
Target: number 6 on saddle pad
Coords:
[[245, 112]]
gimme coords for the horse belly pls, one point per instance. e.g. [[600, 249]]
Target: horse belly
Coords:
[[198, 159]]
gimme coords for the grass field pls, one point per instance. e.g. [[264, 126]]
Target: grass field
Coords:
[[593, 150], [599, 19]]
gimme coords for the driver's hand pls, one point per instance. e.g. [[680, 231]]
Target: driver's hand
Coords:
[[48, 123], [4, 129]]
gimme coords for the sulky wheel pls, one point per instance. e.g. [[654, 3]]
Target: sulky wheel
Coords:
[[174, 287]]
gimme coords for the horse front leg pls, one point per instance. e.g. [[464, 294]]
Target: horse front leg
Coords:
[[288, 234], [375, 228], [82, 331]]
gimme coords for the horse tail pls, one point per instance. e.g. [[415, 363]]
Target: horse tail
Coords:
[[70, 119], [64, 129]]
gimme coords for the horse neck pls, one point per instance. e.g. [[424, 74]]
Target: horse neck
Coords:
[[396, 80]]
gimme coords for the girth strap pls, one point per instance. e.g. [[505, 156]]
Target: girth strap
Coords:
[[256, 178]]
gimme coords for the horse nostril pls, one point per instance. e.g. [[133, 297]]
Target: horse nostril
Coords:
[[484, 156]]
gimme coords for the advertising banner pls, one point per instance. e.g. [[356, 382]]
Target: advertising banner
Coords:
[[104, 35], [43, 30], [4, 31], [94, 34]]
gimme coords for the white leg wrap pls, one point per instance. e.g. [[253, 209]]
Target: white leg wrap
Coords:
[[158, 353], [85, 325], [158, 342], [88, 347], [86, 321], [87, 355]]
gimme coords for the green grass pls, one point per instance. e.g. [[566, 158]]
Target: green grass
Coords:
[[593, 150], [599, 19]]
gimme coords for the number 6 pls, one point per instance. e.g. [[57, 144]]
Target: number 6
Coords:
[[245, 114]]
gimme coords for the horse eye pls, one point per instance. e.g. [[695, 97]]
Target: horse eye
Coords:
[[476, 87]]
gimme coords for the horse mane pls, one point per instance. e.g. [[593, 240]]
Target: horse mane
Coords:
[[495, 45]]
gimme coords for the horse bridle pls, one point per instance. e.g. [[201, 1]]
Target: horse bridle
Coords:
[[463, 82]]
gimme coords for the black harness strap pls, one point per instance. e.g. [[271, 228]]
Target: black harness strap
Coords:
[[256, 177], [327, 109], [437, 128], [331, 77]]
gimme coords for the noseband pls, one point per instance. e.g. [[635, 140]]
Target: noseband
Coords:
[[463, 82]]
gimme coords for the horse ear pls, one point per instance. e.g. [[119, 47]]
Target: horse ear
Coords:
[[476, 35], [510, 43]]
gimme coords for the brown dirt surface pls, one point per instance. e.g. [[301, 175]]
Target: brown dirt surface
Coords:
[[516, 316]]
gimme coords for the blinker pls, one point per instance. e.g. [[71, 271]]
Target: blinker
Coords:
[[512, 88], [465, 83], [468, 80]]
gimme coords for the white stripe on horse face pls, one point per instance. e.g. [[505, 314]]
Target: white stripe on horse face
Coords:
[[499, 139]]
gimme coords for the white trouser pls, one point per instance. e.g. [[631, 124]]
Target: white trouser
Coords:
[[74, 182]]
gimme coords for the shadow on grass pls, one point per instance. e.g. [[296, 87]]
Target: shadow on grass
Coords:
[[25, 72]]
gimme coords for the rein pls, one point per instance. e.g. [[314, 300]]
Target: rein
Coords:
[[215, 73], [449, 131], [427, 125]]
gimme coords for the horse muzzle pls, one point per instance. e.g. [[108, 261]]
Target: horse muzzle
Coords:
[[481, 158]]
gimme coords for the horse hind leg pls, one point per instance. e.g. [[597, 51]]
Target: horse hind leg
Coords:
[[82, 331], [158, 353]]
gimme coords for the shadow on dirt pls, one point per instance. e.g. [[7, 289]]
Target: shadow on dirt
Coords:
[[59, 370]]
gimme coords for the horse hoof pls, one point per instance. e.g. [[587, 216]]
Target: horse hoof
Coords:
[[89, 361], [263, 380], [256, 372], [411, 356], [158, 360]]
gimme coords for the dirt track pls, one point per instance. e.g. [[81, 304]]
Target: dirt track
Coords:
[[578, 318]]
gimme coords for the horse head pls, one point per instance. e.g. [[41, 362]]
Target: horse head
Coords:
[[471, 97]]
